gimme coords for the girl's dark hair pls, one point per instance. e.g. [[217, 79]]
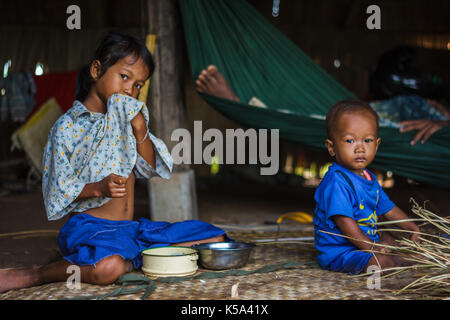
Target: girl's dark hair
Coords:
[[342, 107], [113, 47]]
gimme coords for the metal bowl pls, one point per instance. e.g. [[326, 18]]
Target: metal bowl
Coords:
[[224, 255]]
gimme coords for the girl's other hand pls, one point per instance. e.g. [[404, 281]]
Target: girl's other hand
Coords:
[[113, 186]]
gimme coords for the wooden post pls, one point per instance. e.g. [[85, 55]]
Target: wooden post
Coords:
[[174, 199]]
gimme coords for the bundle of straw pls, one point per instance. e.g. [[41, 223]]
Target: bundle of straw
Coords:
[[429, 258]]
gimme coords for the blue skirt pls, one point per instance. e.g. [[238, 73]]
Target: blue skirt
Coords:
[[85, 240]]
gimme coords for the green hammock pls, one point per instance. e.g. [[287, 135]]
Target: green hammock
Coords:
[[259, 61]]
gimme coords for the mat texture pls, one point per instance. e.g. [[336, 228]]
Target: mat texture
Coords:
[[303, 280]]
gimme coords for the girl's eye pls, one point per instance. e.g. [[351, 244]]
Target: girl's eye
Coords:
[[349, 140], [124, 76], [138, 86]]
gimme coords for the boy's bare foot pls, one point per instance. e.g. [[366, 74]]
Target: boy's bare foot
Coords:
[[212, 82], [11, 279]]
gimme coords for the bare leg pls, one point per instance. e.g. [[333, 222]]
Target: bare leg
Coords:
[[388, 238], [107, 271], [212, 82], [383, 262]]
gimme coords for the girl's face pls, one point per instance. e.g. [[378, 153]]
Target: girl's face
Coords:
[[355, 141], [126, 76]]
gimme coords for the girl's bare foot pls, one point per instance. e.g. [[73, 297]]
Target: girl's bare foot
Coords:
[[212, 82], [11, 279], [107, 271]]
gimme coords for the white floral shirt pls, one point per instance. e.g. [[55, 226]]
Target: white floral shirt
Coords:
[[85, 147]]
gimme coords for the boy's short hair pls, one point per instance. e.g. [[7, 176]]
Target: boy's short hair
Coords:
[[343, 107]]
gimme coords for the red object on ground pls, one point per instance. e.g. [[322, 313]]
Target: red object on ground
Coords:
[[61, 85]]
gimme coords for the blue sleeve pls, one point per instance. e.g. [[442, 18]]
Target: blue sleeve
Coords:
[[337, 198], [384, 203]]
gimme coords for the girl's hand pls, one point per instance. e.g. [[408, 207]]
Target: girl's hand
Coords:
[[113, 186], [138, 124]]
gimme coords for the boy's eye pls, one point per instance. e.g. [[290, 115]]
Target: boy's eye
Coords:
[[138, 86], [124, 76], [368, 140], [349, 140]]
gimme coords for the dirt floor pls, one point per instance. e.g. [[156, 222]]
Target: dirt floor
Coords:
[[253, 206]]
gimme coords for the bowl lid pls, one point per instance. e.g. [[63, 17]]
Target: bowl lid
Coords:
[[169, 251]]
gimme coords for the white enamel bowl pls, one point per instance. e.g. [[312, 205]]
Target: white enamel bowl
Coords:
[[169, 261]]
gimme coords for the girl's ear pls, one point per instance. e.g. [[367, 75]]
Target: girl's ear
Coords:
[[330, 147], [96, 69]]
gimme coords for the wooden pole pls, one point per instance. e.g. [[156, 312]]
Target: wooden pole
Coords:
[[174, 199]]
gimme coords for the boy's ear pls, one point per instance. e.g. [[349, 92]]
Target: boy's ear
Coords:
[[330, 147], [96, 69], [378, 143]]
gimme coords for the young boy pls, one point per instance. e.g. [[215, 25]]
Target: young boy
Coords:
[[349, 200]]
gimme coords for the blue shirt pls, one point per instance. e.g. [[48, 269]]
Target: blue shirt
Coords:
[[363, 202], [85, 147]]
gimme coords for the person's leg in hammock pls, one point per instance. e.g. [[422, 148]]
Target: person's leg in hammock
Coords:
[[212, 82]]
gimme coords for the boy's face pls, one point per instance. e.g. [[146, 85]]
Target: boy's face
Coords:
[[126, 76], [355, 141]]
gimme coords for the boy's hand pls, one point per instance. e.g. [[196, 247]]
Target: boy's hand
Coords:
[[396, 214], [113, 186], [415, 237], [380, 247]]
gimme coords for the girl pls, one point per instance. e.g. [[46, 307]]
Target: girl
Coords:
[[93, 154]]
